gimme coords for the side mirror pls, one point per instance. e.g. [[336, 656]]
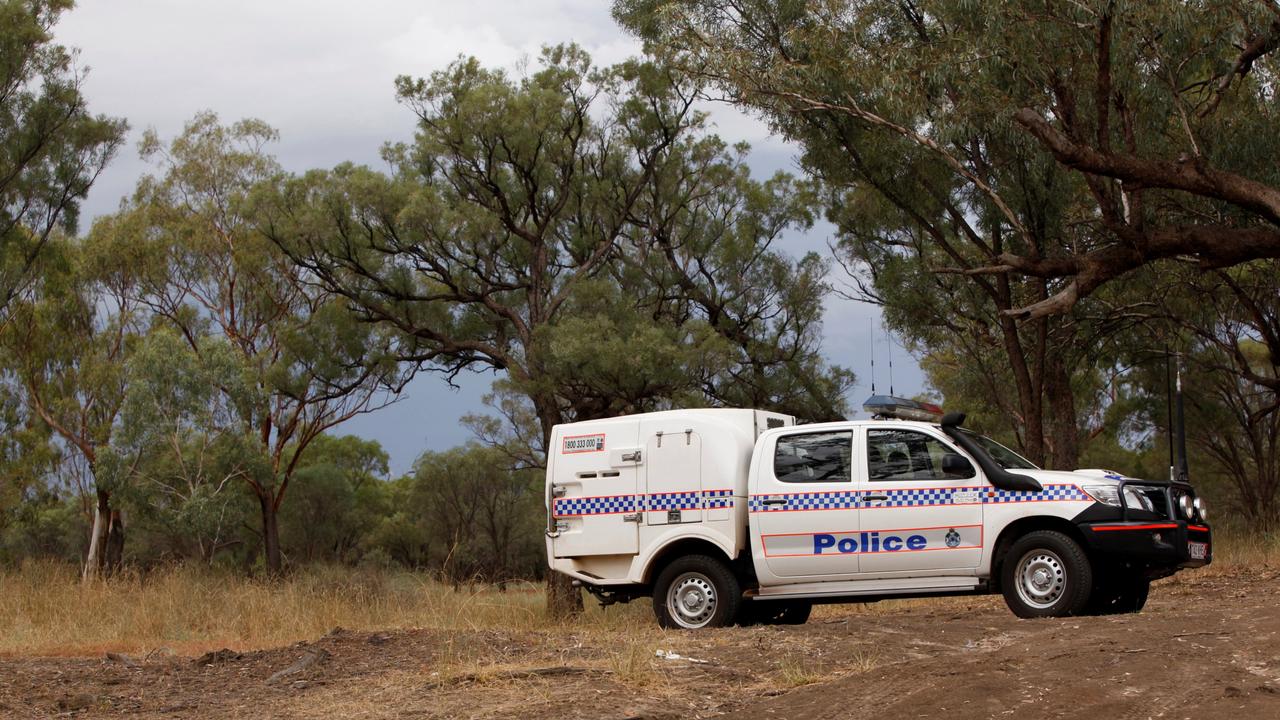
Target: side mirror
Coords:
[[956, 466]]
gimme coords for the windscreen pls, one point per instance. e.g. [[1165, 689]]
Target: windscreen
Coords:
[[1004, 457]]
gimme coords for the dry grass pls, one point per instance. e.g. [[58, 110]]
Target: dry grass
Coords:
[[45, 610]]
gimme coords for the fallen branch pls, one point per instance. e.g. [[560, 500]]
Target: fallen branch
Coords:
[[310, 658], [554, 671], [122, 659]]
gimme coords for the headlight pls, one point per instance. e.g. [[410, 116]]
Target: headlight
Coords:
[[1186, 506], [1199, 506], [1110, 495]]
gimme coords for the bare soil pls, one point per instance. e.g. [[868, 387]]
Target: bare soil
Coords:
[[1207, 646]]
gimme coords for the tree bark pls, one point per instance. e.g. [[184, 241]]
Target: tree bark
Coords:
[[93, 561], [271, 535], [563, 599], [113, 551], [1063, 431]]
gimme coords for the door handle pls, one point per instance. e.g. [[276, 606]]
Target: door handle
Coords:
[[631, 457], [876, 498], [775, 501], [631, 517]]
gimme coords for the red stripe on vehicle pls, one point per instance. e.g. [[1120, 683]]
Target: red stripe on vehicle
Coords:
[[1160, 526]]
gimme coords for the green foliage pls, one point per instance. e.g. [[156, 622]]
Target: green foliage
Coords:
[[51, 148], [482, 520], [340, 499], [270, 361], [575, 230], [950, 137]]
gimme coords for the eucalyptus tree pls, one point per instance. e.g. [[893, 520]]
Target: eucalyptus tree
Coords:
[[1229, 322], [205, 271], [68, 343], [518, 234], [703, 248], [51, 147], [181, 438], [1158, 117], [903, 205], [512, 199]]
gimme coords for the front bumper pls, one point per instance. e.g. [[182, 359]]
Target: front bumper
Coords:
[[1161, 545]]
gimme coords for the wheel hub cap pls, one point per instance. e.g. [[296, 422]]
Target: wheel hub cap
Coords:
[[1042, 578], [692, 600]]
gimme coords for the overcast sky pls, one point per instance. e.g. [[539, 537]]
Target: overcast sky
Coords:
[[321, 72]]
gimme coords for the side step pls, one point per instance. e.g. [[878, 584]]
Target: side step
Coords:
[[855, 588]]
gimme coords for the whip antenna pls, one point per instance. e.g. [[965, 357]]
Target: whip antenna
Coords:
[[871, 333]]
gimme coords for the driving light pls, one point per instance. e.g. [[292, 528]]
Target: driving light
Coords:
[[1186, 506], [1199, 506]]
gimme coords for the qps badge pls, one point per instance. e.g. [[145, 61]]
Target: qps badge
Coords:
[[953, 538]]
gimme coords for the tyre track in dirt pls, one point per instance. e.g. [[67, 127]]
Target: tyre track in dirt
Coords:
[[1197, 652]]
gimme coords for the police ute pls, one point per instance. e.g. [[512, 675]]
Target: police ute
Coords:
[[744, 516]]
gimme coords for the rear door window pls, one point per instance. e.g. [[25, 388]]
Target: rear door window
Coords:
[[814, 457]]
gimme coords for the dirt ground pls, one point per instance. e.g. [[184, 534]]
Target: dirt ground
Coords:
[[1207, 646]]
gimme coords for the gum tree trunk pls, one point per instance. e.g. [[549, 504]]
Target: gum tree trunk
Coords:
[[271, 536], [97, 539]]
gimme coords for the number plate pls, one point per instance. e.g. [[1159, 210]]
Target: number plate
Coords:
[[1199, 551]]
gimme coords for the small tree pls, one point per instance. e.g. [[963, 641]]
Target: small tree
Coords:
[[182, 443], [69, 345], [308, 362]]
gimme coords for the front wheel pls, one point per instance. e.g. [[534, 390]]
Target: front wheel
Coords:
[[1046, 574], [694, 592]]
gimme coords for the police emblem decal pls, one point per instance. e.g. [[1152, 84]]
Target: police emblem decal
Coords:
[[953, 538]]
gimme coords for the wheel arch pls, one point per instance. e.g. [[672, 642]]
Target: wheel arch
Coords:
[[1022, 526], [680, 547]]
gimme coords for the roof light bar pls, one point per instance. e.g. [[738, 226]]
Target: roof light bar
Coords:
[[896, 408]]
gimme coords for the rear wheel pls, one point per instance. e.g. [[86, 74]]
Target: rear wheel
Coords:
[[694, 592], [1046, 574]]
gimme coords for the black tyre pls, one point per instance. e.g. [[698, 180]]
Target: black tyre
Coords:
[[1118, 595], [694, 592], [1046, 574]]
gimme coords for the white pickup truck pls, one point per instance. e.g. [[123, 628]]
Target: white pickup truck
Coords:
[[726, 515]]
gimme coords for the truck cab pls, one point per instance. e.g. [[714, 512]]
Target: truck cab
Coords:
[[743, 516]]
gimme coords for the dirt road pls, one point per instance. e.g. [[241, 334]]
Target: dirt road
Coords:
[[1208, 646]]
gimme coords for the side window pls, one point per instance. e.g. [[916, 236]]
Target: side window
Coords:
[[814, 457], [911, 455]]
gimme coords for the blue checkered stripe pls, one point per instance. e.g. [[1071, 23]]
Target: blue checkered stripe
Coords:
[[565, 507], [717, 499], [673, 501], [846, 500], [919, 497], [914, 497], [1050, 492], [657, 502]]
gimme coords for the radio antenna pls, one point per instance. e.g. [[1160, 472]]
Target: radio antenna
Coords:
[[1180, 429], [1168, 403], [871, 333], [889, 340]]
